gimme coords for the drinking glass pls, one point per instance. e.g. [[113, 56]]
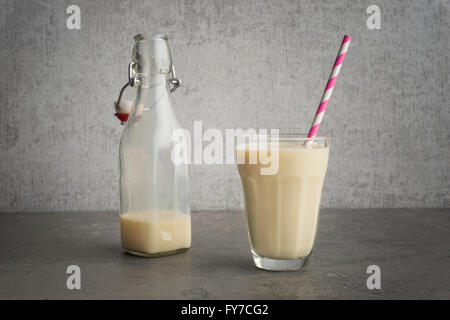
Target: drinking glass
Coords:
[[282, 178]]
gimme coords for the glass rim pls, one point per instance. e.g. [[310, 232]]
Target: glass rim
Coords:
[[284, 136], [140, 37]]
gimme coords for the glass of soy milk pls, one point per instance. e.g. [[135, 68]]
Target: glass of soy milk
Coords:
[[282, 178]]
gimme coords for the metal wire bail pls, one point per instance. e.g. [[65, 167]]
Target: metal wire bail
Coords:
[[174, 82], [131, 81]]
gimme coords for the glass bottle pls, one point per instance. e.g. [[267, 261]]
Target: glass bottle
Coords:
[[155, 215]]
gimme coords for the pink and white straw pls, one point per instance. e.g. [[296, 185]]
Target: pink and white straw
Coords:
[[329, 87]]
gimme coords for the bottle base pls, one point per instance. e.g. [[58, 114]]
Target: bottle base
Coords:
[[280, 264], [155, 255]]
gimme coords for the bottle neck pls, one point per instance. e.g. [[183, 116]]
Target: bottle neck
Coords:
[[150, 81], [153, 105], [152, 92]]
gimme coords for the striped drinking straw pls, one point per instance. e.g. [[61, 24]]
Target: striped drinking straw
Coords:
[[329, 88]]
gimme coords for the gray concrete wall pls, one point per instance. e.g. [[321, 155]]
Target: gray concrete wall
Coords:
[[260, 64]]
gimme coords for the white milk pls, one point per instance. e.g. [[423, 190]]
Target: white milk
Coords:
[[150, 233], [283, 209]]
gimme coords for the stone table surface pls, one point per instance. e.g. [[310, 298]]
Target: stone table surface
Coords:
[[411, 247]]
